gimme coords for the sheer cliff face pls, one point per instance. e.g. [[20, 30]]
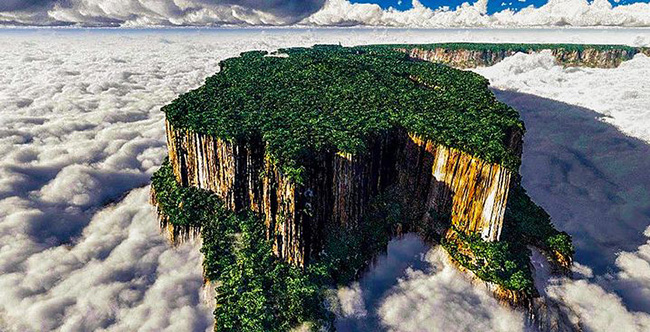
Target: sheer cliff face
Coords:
[[454, 183], [481, 58], [645, 51], [337, 188]]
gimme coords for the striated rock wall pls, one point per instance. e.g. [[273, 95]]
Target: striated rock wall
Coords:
[[241, 175], [338, 187], [461, 58], [451, 182]]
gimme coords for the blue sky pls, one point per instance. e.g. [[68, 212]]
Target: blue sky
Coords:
[[493, 5]]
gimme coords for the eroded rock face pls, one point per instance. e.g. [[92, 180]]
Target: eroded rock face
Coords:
[[460, 58], [646, 51], [337, 187], [473, 192]]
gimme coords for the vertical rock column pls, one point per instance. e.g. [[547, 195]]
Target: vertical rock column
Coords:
[[357, 179], [243, 178]]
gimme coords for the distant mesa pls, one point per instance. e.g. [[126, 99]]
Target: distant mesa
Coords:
[[471, 55]]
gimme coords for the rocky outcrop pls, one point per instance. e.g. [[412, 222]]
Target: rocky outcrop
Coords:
[[337, 187], [468, 58]]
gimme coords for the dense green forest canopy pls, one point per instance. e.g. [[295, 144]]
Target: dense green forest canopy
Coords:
[[303, 101]]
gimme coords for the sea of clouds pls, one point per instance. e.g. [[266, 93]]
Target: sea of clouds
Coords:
[[590, 88], [315, 13], [81, 133]]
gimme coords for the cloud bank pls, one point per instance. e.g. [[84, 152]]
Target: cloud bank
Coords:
[[590, 178], [315, 13], [576, 164], [80, 128], [590, 302], [81, 132], [619, 94], [445, 300], [113, 277], [414, 288]]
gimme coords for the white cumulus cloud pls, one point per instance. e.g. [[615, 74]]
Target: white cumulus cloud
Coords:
[[553, 13], [442, 299], [317, 12], [591, 303]]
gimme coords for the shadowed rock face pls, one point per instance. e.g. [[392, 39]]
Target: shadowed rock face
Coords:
[[337, 187], [482, 58]]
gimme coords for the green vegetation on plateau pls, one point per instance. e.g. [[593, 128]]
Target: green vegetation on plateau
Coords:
[[527, 222], [336, 98], [504, 263]]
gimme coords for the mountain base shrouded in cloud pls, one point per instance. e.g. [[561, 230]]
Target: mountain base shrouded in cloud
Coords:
[[557, 13], [81, 131]]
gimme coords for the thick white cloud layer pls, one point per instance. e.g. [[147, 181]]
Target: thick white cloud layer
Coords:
[[320, 13], [424, 292], [80, 128], [592, 303], [621, 95], [615, 297], [444, 300], [414, 288], [113, 277]]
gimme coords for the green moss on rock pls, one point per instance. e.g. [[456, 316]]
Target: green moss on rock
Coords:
[[527, 222], [504, 263]]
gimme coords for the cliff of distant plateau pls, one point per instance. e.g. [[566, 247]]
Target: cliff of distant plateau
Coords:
[[471, 58]]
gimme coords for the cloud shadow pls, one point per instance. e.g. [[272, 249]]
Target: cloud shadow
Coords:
[[592, 179]]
